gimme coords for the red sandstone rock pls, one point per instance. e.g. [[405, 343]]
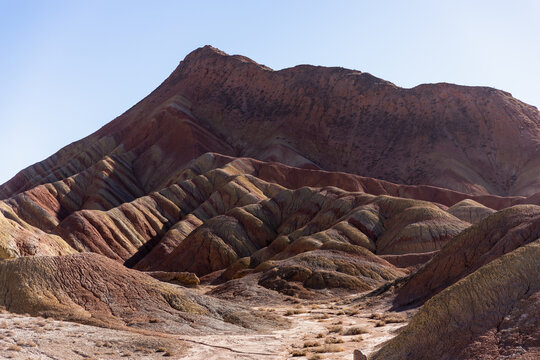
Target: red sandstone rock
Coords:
[[472, 139], [490, 314], [483, 242], [306, 180], [92, 289]]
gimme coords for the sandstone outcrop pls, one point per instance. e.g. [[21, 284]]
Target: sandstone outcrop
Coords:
[[457, 137], [277, 185], [122, 224], [227, 212], [296, 221], [490, 314], [483, 242], [93, 289], [17, 238], [470, 211], [239, 196], [348, 268], [182, 278]]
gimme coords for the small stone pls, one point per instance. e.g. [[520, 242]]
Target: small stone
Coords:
[[358, 355]]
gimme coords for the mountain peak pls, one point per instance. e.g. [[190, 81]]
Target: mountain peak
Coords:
[[207, 56], [206, 50]]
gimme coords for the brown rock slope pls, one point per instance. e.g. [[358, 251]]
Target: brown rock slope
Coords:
[[482, 291], [493, 313], [210, 185], [472, 139], [470, 211], [335, 266], [173, 187], [237, 214], [208, 222], [93, 289], [223, 215], [483, 242], [17, 238]]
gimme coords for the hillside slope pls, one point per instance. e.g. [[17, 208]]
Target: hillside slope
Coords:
[[475, 140], [295, 185]]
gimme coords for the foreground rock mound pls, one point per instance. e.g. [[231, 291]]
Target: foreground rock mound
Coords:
[[483, 242], [492, 313], [92, 289]]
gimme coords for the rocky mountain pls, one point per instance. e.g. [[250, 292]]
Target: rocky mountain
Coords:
[[472, 139], [303, 184]]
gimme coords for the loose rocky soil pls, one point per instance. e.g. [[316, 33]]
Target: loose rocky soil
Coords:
[[323, 330], [26, 337]]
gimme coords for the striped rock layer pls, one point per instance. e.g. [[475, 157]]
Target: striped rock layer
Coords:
[[304, 181]]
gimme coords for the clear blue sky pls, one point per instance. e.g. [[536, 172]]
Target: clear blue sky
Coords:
[[69, 67]]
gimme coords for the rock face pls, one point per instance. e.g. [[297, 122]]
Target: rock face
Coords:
[[182, 278], [483, 290], [490, 314], [483, 242], [334, 116], [249, 199], [224, 214], [93, 289], [304, 182], [212, 185], [470, 211], [335, 266], [471, 139], [18, 238]]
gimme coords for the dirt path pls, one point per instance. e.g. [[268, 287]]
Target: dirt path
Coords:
[[318, 331], [330, 330]]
